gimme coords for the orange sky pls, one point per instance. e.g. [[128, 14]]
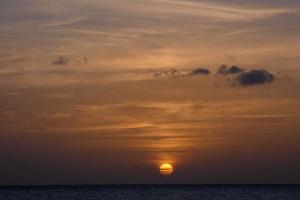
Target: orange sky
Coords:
[[87, 98]]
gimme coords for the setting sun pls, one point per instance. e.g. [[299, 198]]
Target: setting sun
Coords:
[[166, 169]]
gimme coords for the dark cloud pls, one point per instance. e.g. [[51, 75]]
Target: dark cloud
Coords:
[[61, 60], [178, 73], [169, 73], [225, 70], [239, 75], [64, 60], [200, 71], [255, 77]]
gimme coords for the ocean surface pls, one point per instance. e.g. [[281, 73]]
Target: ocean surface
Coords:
[[157, 192]]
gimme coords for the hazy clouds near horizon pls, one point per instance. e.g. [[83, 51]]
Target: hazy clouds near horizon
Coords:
[[80, 104]]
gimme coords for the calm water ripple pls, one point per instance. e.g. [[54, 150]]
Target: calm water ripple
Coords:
[[156, 192]]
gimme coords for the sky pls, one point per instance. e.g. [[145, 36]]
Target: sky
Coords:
[[105, 91]]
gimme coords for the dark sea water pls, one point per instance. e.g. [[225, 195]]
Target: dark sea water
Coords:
[[157, 192]]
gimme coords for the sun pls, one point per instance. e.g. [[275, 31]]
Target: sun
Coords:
[[166, 169]]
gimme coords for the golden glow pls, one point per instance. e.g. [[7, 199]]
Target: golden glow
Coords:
[[166, 169]]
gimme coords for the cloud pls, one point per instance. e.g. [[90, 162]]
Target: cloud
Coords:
[[225, 70], [65, 22], [252, 77], [181, 73], [64, 60], [61, 60], [168, 73], [246, 31], [255, 77], [200, 71], [239, 75], [222, 11]]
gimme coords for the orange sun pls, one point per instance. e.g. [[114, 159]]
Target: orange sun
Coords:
[[166, 169]]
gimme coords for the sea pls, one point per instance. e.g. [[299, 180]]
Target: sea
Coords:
[[149, 192]]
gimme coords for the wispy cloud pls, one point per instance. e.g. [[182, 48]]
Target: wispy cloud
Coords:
[[224, 12], [245, 31], [62, 22]]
